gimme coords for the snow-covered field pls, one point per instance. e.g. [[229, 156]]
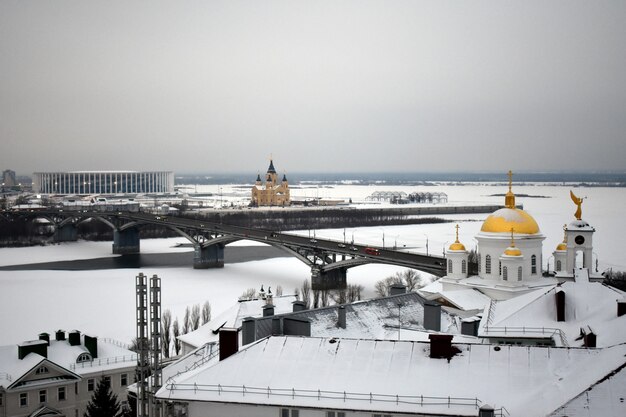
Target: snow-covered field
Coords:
[[102, 302]]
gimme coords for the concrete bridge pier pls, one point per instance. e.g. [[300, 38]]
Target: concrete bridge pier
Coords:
[[66, 233], [208, 257], [126, 242], [334, 279]]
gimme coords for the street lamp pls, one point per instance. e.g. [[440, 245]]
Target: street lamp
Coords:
[[426, 243]]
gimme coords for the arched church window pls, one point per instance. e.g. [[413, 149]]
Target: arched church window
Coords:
[[533, 264], [558, 265], [449, 266], [519, 273], [464, 267], [488, 264], [505, 275]]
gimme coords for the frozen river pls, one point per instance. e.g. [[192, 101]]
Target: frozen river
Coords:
[[101, 302]]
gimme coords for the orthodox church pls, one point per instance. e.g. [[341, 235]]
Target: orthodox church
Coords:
[[272, 193], [509, 256]]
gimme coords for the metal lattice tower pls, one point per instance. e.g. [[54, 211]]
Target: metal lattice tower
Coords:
[[155, 342], [143, 363]]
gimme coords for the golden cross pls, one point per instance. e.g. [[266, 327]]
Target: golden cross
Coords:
[[457, 232], [510, 174], [512, 239]]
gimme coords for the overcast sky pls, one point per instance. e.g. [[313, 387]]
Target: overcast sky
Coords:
[[321, 85]]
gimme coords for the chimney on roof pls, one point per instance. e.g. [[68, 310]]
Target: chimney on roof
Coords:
[[560, 304], [74, 338], [248, 330], [46, 337], [229, 342], [469, 326], [621, 308], [268, 310], [432, 315], [298, 306], [397, 289], [91, 343], [39, 347], [60, 335], [589, 338], [441, 346], [486, 411], [341, 317]]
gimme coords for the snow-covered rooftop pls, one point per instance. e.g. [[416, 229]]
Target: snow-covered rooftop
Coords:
[[233, 317], [397, 376], [587, 305]]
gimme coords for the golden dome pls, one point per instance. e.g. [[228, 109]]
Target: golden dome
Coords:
[[561, 246], [457, 246], [512, 251], [505, 219]]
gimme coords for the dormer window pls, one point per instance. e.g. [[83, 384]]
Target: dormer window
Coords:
[[83, 357], [42, 370]]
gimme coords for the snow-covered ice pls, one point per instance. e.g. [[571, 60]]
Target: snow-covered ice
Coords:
[[102, 302]]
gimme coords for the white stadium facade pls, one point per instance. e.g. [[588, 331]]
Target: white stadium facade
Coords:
[[103, 182]]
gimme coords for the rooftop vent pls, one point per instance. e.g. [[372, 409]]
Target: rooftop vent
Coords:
[[91, 343], [560, 305], [60, 335], [621, 308], [268, 310], [441, 346], [74, 338], [341, 317], [432, 316], [229, 343], [298, 306], [46, 337], [39, 347], [397, 289]]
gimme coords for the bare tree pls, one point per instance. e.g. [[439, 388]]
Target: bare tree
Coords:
[[325, 298], [339, 296], [186, 321], [176, 333], [166, 323], [354, 292], [316, 299], [194, 320], [206, 312], [248, 294], [306, 294], [279, 291], [409, 278]]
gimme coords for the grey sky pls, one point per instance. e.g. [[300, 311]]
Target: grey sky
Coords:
[[321, 85]]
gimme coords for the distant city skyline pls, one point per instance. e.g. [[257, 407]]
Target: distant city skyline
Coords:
[[353, 86]]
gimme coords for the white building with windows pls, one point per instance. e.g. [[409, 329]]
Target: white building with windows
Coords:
[[103, 182], [57, 377]]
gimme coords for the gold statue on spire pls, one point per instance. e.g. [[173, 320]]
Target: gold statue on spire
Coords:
[[579, 203], [509, 199]]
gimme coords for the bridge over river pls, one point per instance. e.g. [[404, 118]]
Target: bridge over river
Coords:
[[329, 260]]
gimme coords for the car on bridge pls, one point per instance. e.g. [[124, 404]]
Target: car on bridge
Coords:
[[372, 251]]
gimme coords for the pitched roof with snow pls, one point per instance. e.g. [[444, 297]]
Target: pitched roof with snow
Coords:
[[396, 376], [587, 305], [233, 317]]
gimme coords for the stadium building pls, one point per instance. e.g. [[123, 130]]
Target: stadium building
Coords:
[[103, 182]]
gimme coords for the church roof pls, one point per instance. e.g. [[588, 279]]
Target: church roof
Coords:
[[271, 169]]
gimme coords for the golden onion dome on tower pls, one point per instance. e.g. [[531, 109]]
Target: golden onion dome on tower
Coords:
[[509, 217], [512, 250]]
